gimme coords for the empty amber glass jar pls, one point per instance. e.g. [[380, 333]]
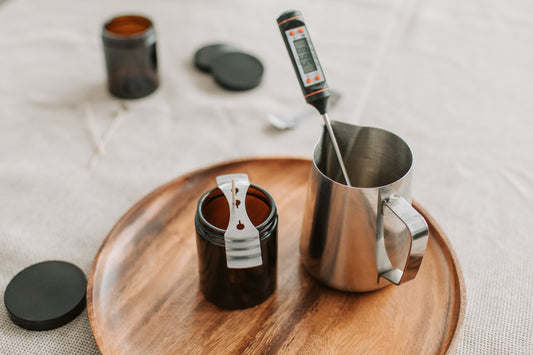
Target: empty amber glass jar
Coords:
[[235, 288], [130, 56]]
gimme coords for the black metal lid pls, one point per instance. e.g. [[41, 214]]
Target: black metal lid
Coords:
[[46, 295], [205, 56], [237, 71]]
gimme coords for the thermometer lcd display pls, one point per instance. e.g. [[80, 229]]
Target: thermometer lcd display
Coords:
[[305, 56]]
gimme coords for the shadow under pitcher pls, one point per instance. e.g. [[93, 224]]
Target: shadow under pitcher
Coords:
[[365, 237]]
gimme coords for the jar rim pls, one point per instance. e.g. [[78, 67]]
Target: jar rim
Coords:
[[145, 22], [221, 231]]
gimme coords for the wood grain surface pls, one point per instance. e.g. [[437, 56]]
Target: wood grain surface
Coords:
[[143, 295]]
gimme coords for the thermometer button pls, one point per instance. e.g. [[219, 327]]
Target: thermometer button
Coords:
[[301, 30], [318, 77], [309, 80], [292, 33]]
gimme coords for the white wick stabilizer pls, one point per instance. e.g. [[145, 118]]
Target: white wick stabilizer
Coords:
[[241, 239]]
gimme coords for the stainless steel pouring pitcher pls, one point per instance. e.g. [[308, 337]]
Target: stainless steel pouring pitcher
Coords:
[[364, 237]]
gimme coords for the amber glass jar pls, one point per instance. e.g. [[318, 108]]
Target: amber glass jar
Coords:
[[236, 288], [130, 56]]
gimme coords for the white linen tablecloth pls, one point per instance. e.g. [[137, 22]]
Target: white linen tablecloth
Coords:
[[454, 78]]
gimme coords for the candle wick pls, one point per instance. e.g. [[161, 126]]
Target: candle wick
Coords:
[[233, 191]]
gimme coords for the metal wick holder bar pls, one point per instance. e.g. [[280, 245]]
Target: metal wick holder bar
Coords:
[[241, 239]]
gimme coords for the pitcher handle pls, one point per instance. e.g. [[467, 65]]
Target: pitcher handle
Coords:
[[418, 237]]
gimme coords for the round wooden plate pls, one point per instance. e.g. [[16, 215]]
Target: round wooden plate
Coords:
[[143, 295]]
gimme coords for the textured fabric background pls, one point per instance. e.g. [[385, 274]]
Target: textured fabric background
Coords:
[[454, 78]]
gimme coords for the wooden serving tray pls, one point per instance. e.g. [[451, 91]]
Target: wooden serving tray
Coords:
[[143, 295]]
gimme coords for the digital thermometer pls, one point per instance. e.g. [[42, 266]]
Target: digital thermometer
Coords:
[[304, 59], [308, 70]]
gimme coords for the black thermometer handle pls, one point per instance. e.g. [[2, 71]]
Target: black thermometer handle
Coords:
[[304, 59]]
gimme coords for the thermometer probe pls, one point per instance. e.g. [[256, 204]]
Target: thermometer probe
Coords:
[[308, 70]]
